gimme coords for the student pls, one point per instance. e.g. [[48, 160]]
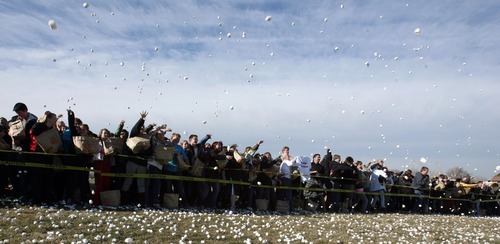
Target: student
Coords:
[[42, 179], [421, 184]]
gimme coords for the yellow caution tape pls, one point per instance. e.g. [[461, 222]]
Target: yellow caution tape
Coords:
[[199, 179], [47, 166]]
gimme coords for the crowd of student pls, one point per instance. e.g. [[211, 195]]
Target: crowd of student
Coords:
[[215, 176]]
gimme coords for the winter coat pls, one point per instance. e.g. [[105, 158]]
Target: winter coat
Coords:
[[375, 184]]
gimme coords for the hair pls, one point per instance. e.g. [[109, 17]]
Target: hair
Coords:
[[336, 156], [86, 126], [175, 135], [46, 116], [284, 156], [316, 154], [61, 125], [102, 130], [215, 144], [349, 160], [192, 136], [20, 107], [256, 159], [78, 122], [424, 168], [4, 122]]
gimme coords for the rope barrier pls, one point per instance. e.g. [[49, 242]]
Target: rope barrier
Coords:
[[493, 198]]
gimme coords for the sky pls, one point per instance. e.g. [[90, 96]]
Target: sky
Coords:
[[412, 82]]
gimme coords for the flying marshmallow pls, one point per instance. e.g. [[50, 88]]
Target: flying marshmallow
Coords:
[[417, 31], [52, 24]]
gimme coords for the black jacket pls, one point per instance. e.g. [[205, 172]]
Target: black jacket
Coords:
[[344, 174], [142, 157]]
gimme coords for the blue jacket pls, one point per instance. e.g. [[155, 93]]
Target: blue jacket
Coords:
[[173, 166]]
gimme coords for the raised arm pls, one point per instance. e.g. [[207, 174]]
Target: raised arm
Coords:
[[256, 146], [119, 128], [136, 130], [71, 123], [205, 139]]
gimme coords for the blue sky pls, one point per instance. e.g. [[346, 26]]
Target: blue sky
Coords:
[[350, 75]]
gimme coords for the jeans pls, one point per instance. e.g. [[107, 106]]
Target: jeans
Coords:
[[154, 186], [214, 189], [287, 192], [378, 197], [420, 203], [477, 208], [361, 199]]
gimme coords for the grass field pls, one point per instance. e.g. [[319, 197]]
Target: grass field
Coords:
[[52, 225]]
